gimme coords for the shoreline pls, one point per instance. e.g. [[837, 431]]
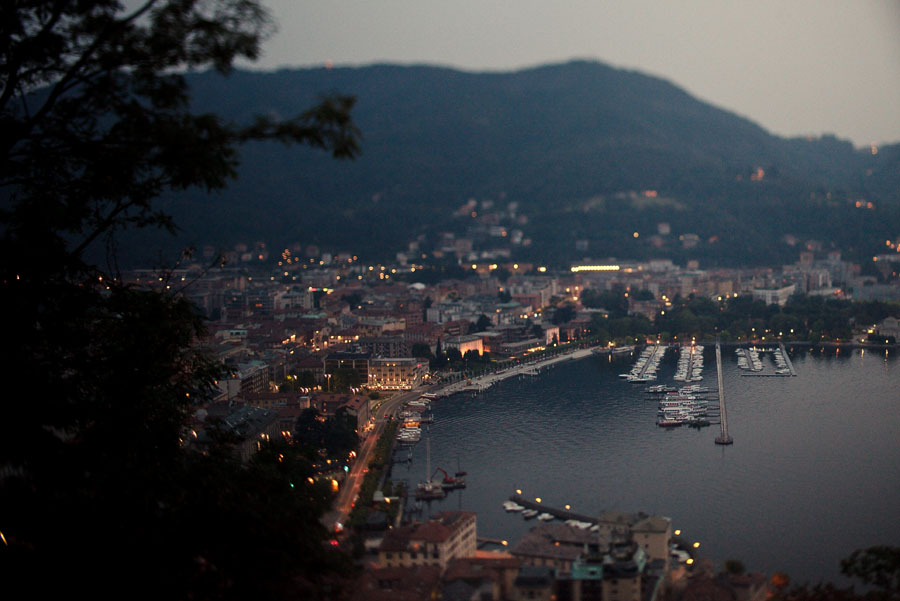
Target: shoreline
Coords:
[[485, 381]]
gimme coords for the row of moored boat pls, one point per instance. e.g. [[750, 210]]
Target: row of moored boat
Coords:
[[686, 406], [513, 507], [413, 415], [748, 359], [644, 369], [690, 364]]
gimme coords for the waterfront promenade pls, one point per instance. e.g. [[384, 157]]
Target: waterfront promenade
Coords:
[[485, 381], [347, 496]]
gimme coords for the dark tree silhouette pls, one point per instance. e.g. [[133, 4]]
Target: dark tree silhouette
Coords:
[[877, 567], [483, 323], [96, 123]]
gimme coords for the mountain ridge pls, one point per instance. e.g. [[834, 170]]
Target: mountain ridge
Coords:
[[548, 137]]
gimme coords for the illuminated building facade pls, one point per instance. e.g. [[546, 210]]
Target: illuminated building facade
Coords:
[[446, 536], [465, 343], [396, 373]]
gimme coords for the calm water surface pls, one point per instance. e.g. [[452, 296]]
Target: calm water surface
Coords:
[[813, 474]]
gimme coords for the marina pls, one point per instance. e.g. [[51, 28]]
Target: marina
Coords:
[[785, 360], [579, 435], [644, 369], [690, 364], [751, 364]]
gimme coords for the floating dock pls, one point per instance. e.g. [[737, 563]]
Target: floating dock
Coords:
[[768, 374], [787, 359], [563, 514]]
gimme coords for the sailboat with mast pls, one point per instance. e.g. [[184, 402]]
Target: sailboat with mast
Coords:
[[428, 488]]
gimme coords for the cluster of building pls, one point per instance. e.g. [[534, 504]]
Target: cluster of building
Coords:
[[315, 322], [254, 418], [628, 557], [289, 333]]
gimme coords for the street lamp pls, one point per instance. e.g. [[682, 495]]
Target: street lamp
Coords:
[[328, 379]]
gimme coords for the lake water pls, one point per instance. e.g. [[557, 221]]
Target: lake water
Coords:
[[813, 474]]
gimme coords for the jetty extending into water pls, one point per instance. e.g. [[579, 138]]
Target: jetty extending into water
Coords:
[[562, 514], [724, 438], [787, 359], [785, 366]]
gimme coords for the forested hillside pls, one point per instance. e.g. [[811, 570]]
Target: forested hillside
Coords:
[[588, 152]]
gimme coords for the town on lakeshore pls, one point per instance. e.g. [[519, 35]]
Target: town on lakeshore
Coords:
[[309, 337], [421, 303]]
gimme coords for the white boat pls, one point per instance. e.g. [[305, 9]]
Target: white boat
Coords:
[[430, 489], [584, 525], [545, 517], [578, 524]]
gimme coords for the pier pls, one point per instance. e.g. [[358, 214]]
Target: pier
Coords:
[[655, 350], [562, 514], [724, 438], [686, 364], [484, 542], [787, 360], [644, 368], [690, 361], [767, 373]]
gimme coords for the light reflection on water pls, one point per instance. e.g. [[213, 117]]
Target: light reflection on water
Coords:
[[813, 474]]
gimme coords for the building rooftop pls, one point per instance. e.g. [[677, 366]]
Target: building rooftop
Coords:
[[345, 355], [239, 419], [556, 541], [652, 524], [463, 338], [436, 530], [476, 568], [398, 584], [403, 360]]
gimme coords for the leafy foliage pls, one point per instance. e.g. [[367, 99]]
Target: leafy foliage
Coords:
[[94, 110], [93, 459], [482, 324], [563, 314], [877, 566], [421, 349], [336, 434]]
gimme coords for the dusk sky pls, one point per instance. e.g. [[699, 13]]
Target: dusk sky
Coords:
[[795, 67]]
